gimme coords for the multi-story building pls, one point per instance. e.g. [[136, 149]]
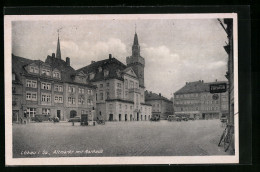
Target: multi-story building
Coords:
[[195, 100], [120, 87], [50, 88], [161, 106]]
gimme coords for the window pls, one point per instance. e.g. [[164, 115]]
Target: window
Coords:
[[118, 85], [81, 90], [58, 99], [46, 98], [106, 73], [101, 96], [71, 89], [31, 83], [108, 84], [131, 84], [34, 69], [90, 92], [58, 88], [81, 100], [71, 100], [31, 112], [101, 85], [31, 96], [56, 74], [118, 93], [100, 69], [46, 72], [120, 106], [125, 106], [126, 83], [108, 95], [45, 111], [126, 94], [13, 77], [46, 86], [91, 76], [136, 85], [90, 102]]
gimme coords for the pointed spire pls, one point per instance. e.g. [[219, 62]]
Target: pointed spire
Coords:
[[135, 47], [58, 53]]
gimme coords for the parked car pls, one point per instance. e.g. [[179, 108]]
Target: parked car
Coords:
[[184, 118], [191, 118], [75, 119], [155, 118], [171, 118]]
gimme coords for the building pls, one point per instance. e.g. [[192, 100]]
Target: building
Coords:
[[120, 87], [52, 88], [161, 106], [195, 100]]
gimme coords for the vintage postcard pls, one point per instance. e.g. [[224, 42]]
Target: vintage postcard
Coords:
[[121, 89]]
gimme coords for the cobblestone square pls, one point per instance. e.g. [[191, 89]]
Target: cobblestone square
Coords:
[[139, 138]]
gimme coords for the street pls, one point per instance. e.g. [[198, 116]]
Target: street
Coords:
[[139, 138]]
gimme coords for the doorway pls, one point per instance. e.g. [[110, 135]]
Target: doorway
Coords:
[[58, 114], [125, 117], [137, 116], [145, 117], [110, 117], [119, 117], [131, 118], [73, 113]]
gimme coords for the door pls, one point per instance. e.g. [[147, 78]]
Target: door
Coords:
[[145, 117], [58, 114], [110, 117], [131, 117], [137, 116], [125, 117], [119, 117]]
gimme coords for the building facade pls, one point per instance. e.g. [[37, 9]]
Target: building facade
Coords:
[[52, 88], [161, 106], [195, 100], [120, 87]]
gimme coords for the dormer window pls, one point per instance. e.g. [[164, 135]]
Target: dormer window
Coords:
[[91, 76], [56, 74], [46, 72], [34, 69], [100, 69], [118, 73], [106, 73]]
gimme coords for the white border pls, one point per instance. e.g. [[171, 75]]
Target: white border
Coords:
[[110, 160]]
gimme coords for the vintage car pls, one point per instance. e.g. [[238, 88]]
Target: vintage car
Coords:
[[171, 118], [155, 118]]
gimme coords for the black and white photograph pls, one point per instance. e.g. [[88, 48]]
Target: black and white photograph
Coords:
[[121, 89]]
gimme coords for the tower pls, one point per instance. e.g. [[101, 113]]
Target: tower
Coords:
[[136, 61], [58, 53]]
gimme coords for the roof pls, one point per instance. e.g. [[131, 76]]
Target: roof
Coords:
[[67, 72], [120, 100], [153, 96], [196, 87], [108, 64], [147, 104]]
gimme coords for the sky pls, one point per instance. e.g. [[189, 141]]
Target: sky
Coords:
[[176, 51]]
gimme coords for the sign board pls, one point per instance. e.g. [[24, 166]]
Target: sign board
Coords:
[[218, 88]]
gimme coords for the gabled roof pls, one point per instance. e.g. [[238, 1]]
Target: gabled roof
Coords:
[[153, 96], [67, 72], [196, 87], [111, 64]]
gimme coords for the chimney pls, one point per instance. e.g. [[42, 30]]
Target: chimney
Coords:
[[160, 94], [53, 55], [67, 61], [202, 81], [216, 80], [92, 62], [110, 56]]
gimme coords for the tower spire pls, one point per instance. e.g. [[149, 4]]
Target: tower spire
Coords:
[[58, 53], [135, 47]]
